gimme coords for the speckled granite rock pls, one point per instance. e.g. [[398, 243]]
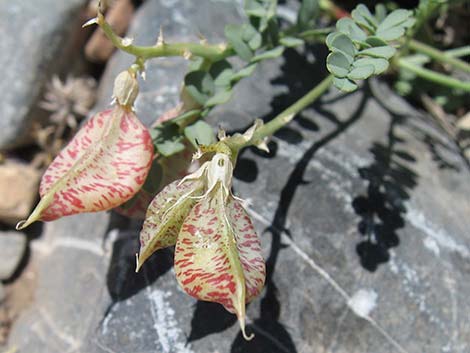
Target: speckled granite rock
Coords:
[[34, 36], [366, 191]]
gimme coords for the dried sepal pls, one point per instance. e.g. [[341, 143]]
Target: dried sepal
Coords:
[[248, 137], [103, 166], [126, 89]]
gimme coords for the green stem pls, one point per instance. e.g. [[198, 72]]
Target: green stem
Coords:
[[283, 118], [315, 35], [458, 52], [318, 34], [206, 51], [438, 55], [434, 76]]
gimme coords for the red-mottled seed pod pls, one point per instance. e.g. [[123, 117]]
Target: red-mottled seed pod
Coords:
[[103, 166]]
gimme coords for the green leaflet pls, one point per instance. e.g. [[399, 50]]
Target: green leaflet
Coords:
[[338, 64], [360, 47], [200, 133]]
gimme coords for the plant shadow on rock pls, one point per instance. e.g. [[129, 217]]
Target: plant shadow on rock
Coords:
[[390, 181], [34, 231], [121, 279], [382, 208], [440, 152], [272, 336]]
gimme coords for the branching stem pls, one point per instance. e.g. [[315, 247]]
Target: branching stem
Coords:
[[438, 55], [433, 76], [210, 52]]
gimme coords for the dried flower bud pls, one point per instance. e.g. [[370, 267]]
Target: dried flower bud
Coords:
[[126, 89]]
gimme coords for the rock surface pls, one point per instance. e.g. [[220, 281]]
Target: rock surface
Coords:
[[19, 187], [34, 36], [12, 249], [356, 186]]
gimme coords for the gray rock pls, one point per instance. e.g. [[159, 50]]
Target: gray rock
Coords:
[[71, 289], [12, 249], [362, 210], [34, 38]]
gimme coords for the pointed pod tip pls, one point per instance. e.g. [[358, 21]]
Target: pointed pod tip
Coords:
[[24, 223], [242, 327], [20, 225], [137, 263], [247, 337], [33, 217], [140, 259]]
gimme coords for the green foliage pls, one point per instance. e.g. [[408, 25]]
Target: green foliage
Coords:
[[290, 41], [360, 47], [184, 119], [261, 13], [308, 13], [245, 72], [395, 25], [210, 87], [200, 85], [200, 133], [409, 84], [425, 10], [338, 64], [244, 39], [269, 54], [211, 83], [261, 33], [167, 139]]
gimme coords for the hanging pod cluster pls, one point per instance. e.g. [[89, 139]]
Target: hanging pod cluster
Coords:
[[218, 253]]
